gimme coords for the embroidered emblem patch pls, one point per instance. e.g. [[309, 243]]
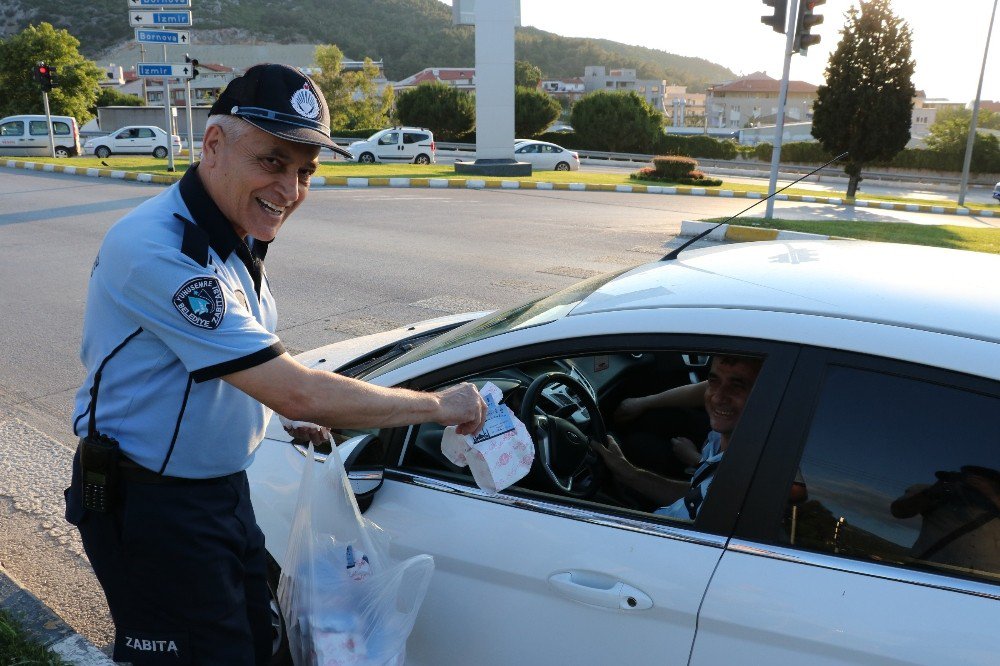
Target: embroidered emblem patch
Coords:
[[201, 302], [305, 103]]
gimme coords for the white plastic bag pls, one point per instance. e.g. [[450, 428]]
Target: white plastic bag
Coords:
[[343, 601]]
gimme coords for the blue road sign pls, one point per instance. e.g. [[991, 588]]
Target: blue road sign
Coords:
[[161, 70], [140, 18], [144, 36], [173, 4]]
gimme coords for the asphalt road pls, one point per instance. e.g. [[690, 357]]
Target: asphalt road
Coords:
[[350, 262]]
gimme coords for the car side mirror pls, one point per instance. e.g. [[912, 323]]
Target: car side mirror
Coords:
[[363, 456]]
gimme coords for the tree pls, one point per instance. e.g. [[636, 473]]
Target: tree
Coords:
[[533, 111], [616, 122], [526, 74], [949, 137], [112, 97], [444, 110], [864, 108], [76, 77], [353, 97]]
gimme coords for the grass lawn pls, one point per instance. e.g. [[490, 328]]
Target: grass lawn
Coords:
[[16, 648], [149, 164], [955, 237]]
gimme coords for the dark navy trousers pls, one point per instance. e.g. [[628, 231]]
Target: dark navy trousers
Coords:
[[184, 570]]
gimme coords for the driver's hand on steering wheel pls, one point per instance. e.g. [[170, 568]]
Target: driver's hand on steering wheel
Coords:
[[612, 455]]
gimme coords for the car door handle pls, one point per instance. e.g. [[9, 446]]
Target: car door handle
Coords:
[[596, 589]]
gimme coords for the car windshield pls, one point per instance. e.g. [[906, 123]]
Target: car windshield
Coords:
[[533, 313]]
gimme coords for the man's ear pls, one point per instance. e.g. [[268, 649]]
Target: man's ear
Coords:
[[211, 143]]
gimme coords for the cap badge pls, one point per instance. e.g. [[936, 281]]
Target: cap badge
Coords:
[[305, 103]]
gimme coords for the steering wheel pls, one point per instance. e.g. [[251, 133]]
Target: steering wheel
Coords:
[[563, 449]]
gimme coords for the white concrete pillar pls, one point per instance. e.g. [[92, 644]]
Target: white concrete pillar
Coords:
[[495, 79]]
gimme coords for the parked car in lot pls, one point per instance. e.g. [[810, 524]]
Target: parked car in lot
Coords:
[[28, 136], [545, 156], [876, 401], [396, 144], [132, 140]]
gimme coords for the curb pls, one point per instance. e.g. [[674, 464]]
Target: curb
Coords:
[[498, 183], [737, 234], [46, 627]]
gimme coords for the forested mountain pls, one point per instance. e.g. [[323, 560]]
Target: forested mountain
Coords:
[[407, 34]]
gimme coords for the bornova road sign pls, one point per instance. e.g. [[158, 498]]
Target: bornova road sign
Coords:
[[161, 70], [172, 4], [147, 36], [157, 19]]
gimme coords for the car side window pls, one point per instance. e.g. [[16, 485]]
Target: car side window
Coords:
[[145, 133], [124, 134], [60, 128], [13, 128], [664, 455], [390, 139], [39, 128], [901, 470], [413, 137]]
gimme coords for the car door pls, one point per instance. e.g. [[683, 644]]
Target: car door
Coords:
[[528, 153], [890, 551], [124, 141], [38, 138], [415, 143], [146, 140], [389, 147], [13, 138], [531, 576]]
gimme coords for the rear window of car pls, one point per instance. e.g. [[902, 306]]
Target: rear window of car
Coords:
[[145, 133], [414, 137]]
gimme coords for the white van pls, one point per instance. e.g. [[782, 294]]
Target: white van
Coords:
[[396, 144], [28, 136]]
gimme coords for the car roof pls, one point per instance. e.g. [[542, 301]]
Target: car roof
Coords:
[[934, 289]]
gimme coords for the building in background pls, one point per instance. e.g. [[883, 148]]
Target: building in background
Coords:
[[462, 78], [566, 91], [753, 100], [596, 77]]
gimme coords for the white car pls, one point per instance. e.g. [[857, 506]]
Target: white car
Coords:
[[396, 144], [132, 140], [545, 156], [880, 387]]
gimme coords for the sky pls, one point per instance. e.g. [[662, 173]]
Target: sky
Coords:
[[948, 37]]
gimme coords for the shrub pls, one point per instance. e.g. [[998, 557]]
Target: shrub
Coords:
[[619, 122], [673, 167], [696, 146]]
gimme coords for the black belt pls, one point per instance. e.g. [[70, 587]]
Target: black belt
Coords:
[[131, 471]]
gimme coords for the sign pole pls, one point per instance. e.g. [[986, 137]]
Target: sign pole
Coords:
[[48, 122], [166, 109], [779, 124], [190, 132]]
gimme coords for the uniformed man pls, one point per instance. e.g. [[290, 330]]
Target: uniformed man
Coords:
[[183, 370]]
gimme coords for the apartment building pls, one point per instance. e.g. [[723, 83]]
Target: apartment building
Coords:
[[596, 77], [753, 100]]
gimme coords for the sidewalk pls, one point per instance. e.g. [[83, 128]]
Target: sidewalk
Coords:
[[46, 627]]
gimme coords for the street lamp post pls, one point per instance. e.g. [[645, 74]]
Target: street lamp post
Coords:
[[975, 115]]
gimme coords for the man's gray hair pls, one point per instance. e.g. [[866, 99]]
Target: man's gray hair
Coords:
[[233, 127]]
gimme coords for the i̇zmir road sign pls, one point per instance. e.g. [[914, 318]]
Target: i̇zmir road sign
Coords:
[[157, 19], [161, 70], [146, 36], [172, 4]]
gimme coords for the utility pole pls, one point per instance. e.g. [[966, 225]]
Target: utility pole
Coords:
[[166, 110], [975, 115], [779, 124]]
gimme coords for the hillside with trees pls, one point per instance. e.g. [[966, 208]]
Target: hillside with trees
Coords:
[[408, 35]]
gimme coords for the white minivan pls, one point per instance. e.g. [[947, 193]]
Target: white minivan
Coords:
[[396, 144], [28, 135]]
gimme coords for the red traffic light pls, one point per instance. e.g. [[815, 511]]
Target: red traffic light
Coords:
[[43, 70]]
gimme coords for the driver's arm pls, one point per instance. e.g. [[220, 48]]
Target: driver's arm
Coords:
[[688, 395], [651, 486], [335, 401]]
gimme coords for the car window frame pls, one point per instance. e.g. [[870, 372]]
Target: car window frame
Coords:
[[722, 505], [760, 520]]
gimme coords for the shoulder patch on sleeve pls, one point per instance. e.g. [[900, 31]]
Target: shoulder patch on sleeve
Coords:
[[200, 300], [195, 243]]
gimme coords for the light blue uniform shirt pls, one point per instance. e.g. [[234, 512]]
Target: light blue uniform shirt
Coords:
[[711, 456], [177, 300]]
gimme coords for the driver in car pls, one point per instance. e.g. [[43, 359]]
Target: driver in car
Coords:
[[724, 394]]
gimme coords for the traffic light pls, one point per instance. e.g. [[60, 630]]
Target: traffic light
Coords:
[[194, 65], [777, 20], [44, 76], [807, 19]]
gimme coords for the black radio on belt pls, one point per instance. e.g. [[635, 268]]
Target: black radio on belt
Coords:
[[99, 458]]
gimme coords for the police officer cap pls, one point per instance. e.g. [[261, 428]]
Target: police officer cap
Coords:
[[282, 101]]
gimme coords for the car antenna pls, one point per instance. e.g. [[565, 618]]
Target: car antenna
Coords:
[[673, 253]]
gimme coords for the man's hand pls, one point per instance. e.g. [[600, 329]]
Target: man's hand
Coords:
[[629, 409], [612, 456], [685, 451], [316, 434], [462, 406]]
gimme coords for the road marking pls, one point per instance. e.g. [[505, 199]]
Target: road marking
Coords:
[[569, 271], [521, 285], [453, 304]]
